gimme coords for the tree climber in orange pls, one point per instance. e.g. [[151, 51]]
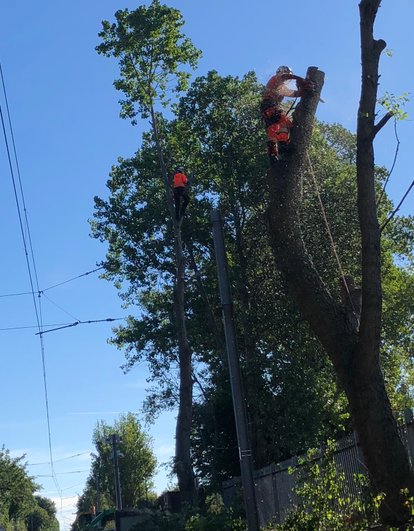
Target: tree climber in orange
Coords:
[[181, 196], [277, 123]]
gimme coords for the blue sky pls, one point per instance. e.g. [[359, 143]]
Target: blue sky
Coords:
[[68, 134]]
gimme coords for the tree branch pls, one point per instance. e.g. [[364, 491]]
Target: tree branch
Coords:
[[397, 208], [381, 123], [392, 166]]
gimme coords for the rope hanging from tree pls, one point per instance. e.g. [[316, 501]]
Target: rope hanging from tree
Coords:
[[328, 230]]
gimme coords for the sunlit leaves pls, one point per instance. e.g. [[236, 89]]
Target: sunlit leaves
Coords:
[[154, 56]]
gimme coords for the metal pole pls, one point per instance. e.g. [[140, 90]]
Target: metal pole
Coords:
[[97, 467], [98, 490], [245, 454], [115, 454]]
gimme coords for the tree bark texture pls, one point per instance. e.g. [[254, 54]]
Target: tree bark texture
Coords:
[[352, 347], [183, 463]]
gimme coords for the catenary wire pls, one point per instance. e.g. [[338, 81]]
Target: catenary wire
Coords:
[[61, 459], [74, 278], [6, 329], [76, 323], [61, 325], [51, 287], [60, 307], [33, 278]]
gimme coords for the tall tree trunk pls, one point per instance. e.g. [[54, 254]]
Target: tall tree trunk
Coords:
[[352, 348], [183, 464]]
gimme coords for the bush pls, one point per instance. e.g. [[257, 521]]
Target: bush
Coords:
[[217, 518], [156, 520], [324, 506]]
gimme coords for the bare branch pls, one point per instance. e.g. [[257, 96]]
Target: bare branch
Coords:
[[197, 381], [393, 164], [397, 208], [381, 123]]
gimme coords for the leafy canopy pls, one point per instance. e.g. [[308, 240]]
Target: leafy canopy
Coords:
[[152, 55]]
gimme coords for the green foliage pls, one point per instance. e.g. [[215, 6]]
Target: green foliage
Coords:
[[156, 520], [153, 56], [292, 394], [216, 517], [323, 505], [18, 504], [394, 104], [136, 466], [43, 516]]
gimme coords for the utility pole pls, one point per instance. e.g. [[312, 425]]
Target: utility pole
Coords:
[[245, 454], [114, 440], [98, 492], [97, 482]]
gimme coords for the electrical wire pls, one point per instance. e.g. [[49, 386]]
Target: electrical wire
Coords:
[[30, 326], [74, 278], [60, 307], [59, 326], [76, 323], [30, 261], [61, 459], [61, 474], [51, 287]]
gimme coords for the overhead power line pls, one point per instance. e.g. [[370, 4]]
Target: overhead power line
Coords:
[[6, 329], [60, 473], [74, 278], [30, 260], [60, 326], [61, 459], [76, 323], [51, 287]]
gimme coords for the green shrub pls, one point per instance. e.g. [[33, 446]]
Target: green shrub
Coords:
[[323, 505], [217, 518], [156, 520]]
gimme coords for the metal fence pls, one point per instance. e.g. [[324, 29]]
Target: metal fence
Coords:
[[275, 484]]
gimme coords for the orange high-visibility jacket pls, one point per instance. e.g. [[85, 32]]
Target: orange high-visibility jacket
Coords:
[[180, 179]]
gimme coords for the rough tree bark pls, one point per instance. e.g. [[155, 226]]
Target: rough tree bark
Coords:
[[352, 346], [183, 463]]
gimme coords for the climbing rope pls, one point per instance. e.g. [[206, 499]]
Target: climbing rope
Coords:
[[328, 230]]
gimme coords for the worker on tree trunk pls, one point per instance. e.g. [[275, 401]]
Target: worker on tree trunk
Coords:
[[277, 123], [181, 196]]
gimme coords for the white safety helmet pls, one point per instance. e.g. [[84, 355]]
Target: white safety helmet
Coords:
[[284, 70]]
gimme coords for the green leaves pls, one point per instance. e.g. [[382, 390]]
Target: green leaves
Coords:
[[394, 104], [137, 465], [292, 391], [153, 54], [17, 488]]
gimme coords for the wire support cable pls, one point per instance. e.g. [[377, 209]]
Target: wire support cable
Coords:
[[30, 262], [41, 292], [76, 323]]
